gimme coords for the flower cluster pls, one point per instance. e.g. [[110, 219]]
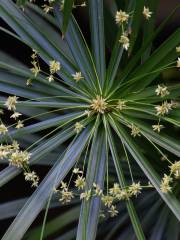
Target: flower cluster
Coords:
[[54, 67], [168, 179], [19, 159], [164, 108], [12, 152], [121, 18], [32, 177], [36, 68], [11, 105], [109, 200], [99, 104]]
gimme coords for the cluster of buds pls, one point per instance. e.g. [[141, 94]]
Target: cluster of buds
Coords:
[[20, 159], [11, 105]]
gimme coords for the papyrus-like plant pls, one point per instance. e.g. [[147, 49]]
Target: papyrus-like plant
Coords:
[[107, 126]]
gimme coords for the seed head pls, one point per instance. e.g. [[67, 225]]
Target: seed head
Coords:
[[80, 182], [99, 105], [121, 17], [11, 103], [19, 158], [135, 189]]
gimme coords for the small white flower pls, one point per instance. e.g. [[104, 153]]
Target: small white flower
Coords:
[[135, 189], [15, 115], [29, 82], [121, 17], [107, 200], [125, 41], [85, 195], [11, 102], [115, 190], [50, 78], [54, 66], [99, 104], [157, 127], [162, 91], [164, 108], [47, 8], [32, 177], [19, 124], [76, 171], [66, 196], [87, 112], [77, 76], [113, 211], [80, 182], [3, 129], [78, 127], [175, 169], [165, 184], [147, 14], [135, 131], [97, 190]]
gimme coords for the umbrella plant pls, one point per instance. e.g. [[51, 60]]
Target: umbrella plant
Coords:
[[97, 112]]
